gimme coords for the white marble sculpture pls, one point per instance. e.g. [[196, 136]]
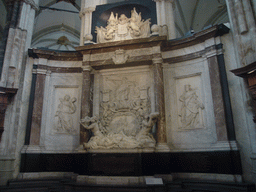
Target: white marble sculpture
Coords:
[[123, 28], [64, 113], [145, 136], [190, 109], [124, 105], [101, 139], [120, 57]]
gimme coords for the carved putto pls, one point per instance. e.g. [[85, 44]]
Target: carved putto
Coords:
[[103, 140], [123, 28]]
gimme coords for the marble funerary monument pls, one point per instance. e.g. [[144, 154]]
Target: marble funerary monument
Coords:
[[131, 92]]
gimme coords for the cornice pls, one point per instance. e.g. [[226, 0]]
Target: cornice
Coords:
[[245, 71], [32, 4], [86, 10], [55, 55]]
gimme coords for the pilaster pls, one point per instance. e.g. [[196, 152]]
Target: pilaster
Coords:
[[160, 104], [86, 103], [38, 107]]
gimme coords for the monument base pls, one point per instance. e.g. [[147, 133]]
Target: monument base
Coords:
[[162, 147]]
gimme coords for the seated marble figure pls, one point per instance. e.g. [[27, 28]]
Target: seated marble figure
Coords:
[[102, 139]]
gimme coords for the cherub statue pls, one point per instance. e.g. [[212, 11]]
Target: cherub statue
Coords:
[[144, 136], [98, 140], [92, 123]]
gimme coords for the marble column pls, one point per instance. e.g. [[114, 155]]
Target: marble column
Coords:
[[165, 16], [86, 22], [38, 107], [86, 104], [160, 105]]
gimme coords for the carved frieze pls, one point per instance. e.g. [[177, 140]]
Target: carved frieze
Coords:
[[123, 28]]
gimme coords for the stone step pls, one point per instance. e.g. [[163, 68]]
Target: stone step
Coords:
[[69, 185], [213, 186]]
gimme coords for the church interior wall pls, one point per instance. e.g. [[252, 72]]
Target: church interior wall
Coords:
[[221, 136], [241, 108]]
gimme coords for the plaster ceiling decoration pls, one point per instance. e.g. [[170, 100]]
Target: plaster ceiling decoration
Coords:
[[55, 20], [51, 24]]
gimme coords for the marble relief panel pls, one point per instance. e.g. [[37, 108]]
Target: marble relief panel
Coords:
[[61, 113], [65, 107], [189, 105], [123, 98]]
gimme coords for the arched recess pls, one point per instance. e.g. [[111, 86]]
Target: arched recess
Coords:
[[60, 37], [57, 25]]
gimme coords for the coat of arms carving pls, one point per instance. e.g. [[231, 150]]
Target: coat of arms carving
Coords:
[[123, 28], [120, 57]]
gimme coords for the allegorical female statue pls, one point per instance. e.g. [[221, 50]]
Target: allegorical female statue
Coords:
[[190, 109], [64, 114]]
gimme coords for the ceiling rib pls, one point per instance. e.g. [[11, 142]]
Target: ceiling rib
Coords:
[[182, 16], [194, 14]]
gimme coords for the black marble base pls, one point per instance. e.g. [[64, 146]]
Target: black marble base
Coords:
[[134, 164]]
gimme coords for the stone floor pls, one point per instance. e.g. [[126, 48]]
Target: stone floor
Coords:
[[69, 185]]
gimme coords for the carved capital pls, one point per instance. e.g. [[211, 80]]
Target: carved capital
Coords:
[[48, 73], [86, 10], [41, 71], [170, 1], [32, 4], [87, 68], [157, 60]]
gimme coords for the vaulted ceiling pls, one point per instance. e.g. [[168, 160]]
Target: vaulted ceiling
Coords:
[[57, 23]]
